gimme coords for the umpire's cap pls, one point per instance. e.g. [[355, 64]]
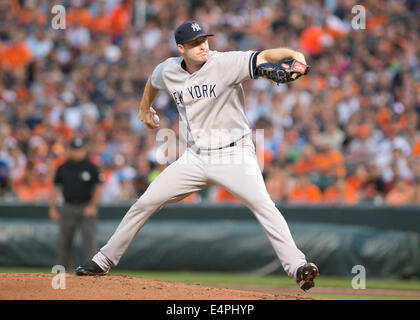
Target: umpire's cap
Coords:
[[77, 143], [190, 31]]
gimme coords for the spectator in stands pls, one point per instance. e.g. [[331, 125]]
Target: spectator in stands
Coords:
[[374, 187], [397, 168], [358, 180], [401, 194], [416, 183], [304, 192], [307, 162], [330, 162], [43, 183], [362, 147], [4, 178], [340, 192], [278, 182], [16, 54], [362, 97]]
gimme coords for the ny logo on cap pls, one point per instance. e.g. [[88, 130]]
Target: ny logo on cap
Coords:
[[195, 27]]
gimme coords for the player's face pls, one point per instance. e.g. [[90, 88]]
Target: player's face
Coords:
[[77, 154], [195, 51]]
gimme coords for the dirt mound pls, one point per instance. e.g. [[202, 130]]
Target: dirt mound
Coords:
[[32, 286]]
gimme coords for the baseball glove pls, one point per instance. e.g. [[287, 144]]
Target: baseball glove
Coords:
[[283, 71]]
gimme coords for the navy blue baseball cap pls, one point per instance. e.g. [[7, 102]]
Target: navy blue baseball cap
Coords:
[[190, 31]]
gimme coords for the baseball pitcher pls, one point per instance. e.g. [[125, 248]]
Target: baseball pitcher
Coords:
[[206, 87]]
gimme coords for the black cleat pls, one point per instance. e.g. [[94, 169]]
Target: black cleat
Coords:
[[305, 276], [90, 269]]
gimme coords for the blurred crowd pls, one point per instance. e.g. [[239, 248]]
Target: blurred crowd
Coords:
[[347, 133]]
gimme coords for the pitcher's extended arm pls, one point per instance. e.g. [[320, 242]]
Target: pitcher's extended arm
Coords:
[[146, 111]]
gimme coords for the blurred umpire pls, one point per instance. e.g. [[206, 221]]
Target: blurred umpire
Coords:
[[80, 183]]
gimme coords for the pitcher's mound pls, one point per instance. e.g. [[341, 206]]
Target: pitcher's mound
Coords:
[[33, 286]]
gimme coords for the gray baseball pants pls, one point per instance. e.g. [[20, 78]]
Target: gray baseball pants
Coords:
[[233, 168], [71, 218]]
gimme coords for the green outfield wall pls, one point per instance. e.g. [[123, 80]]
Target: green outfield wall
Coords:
[[385, 240]]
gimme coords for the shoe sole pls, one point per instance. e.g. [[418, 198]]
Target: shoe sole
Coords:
[[88, 273], [308, 278]]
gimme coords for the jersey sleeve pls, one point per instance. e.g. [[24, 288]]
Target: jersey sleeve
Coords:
[[97, 177], [156, 79], [237, 66], [58, 178]]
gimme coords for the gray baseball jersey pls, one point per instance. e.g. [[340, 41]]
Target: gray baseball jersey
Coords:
[[210, 101]]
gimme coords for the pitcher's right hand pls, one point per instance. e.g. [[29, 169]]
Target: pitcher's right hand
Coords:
[[147, 118]]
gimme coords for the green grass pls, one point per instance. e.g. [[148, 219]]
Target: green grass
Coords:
[[23, 270], [271, 280], [360, 297], [240, 279]]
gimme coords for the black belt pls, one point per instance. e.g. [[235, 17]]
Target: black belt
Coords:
[[198, 151], [231, 145]]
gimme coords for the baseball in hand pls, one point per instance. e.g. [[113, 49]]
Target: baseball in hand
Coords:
[[155, 118]]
